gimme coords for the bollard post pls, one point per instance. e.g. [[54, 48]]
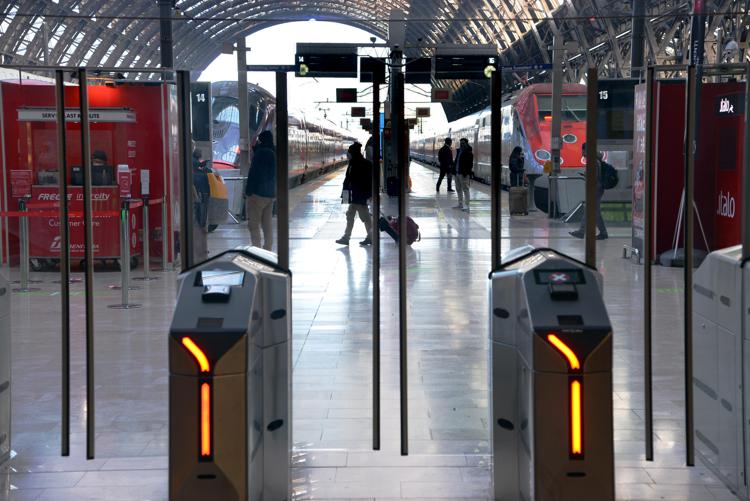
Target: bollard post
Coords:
[[23, 228], [164, 235], [125, 259], [146, 245]]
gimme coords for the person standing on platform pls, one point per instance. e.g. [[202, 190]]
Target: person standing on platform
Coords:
[[201, 195], [260, 191], [581, 231], [516, 167], [464, 168], [445, 160], [357, 191]]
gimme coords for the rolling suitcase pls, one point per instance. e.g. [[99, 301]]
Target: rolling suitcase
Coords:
[[519, 200]]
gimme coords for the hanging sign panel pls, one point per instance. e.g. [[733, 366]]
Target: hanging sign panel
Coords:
[[109, 115]]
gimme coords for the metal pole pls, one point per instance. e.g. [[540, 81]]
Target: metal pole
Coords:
[[282, 169], [399, 136], [24, 227], [555, 135], [688, 246], [592, 164], [62, 154], [88, 224], [637, 38], [165, 28], [244, 112], [648, 209], [165, 234], [187, 222], [125, 252], [746, 171], [146, 243], [496, 162], [375, 237]]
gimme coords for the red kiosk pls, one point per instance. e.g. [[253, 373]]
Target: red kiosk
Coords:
[[718, 167], [131, 129]]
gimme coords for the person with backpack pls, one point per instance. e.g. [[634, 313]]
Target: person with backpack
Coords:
[[516, 167], [357, 191], [260, 191], [607, 179], [463, 170], [445, 159]]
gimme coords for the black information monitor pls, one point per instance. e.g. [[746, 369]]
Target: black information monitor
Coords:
[[616, 100]]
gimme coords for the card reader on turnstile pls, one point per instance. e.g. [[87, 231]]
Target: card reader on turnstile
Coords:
[[551, 380], [229, 382]]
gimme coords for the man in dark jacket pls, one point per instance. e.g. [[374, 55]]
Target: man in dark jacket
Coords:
[[358, 189], [260, 190], [581, 231], [464, 167], [445, 160], [201, 195]]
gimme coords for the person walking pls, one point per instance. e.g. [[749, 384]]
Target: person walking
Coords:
[[260, 191], [445, 160], [357, 191], [201, 195], [463, 168], [516, 167], [581, 231]]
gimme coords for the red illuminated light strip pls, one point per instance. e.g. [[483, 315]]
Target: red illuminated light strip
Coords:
[[576, 418], [197, 353], [205, 420], [576, 396]]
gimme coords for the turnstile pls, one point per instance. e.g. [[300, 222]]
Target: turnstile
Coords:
[[720, 349], [4, 369], [551, 380], [230, 380]]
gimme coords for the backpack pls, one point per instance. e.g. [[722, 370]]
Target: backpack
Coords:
[[608, 177], [412, 229]]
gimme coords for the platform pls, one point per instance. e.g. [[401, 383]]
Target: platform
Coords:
[[448, 392]]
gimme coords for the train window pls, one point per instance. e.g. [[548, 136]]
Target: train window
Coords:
[[573, 107], [254, 122]]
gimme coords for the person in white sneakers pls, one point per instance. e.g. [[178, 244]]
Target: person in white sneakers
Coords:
[[463, 167]]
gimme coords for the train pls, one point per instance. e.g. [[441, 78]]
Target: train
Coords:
[[314, 147], [527, 122]]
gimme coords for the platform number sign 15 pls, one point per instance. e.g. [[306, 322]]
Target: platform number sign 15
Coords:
[[603, 95]]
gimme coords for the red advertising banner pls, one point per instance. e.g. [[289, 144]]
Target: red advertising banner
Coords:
[[20, 183], [639, 159], [44, 232], [123, 181]]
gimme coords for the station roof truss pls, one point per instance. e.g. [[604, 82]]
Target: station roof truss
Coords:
[[125, 33]]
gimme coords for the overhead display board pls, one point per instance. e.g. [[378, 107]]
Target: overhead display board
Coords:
[[418, 71], [615, 109], [372, 69], [464, 66], [326, 60]]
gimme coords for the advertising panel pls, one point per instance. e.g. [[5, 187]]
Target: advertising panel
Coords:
[[639, 158]]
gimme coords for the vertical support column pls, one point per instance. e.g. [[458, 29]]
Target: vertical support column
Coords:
[[375, 237], [166, 236], [146, 242], [496, 166], [62, 159], [688, 216], [555, 139], [402, 159], [186, 170], [23, 223], [637, 38], [165, 36], [88, 225], [282, 169], [648, 211], [244, 108], [746, 171], [592, 164]]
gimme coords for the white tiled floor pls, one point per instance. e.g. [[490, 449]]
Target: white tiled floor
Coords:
[[448, 416]]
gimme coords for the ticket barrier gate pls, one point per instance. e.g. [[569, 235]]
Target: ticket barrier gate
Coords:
[[551, 380], [721, 347], [229, 382], [4, 370]]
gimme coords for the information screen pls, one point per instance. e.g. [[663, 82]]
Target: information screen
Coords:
[[220, 277], [559, 277], [616, 102]]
